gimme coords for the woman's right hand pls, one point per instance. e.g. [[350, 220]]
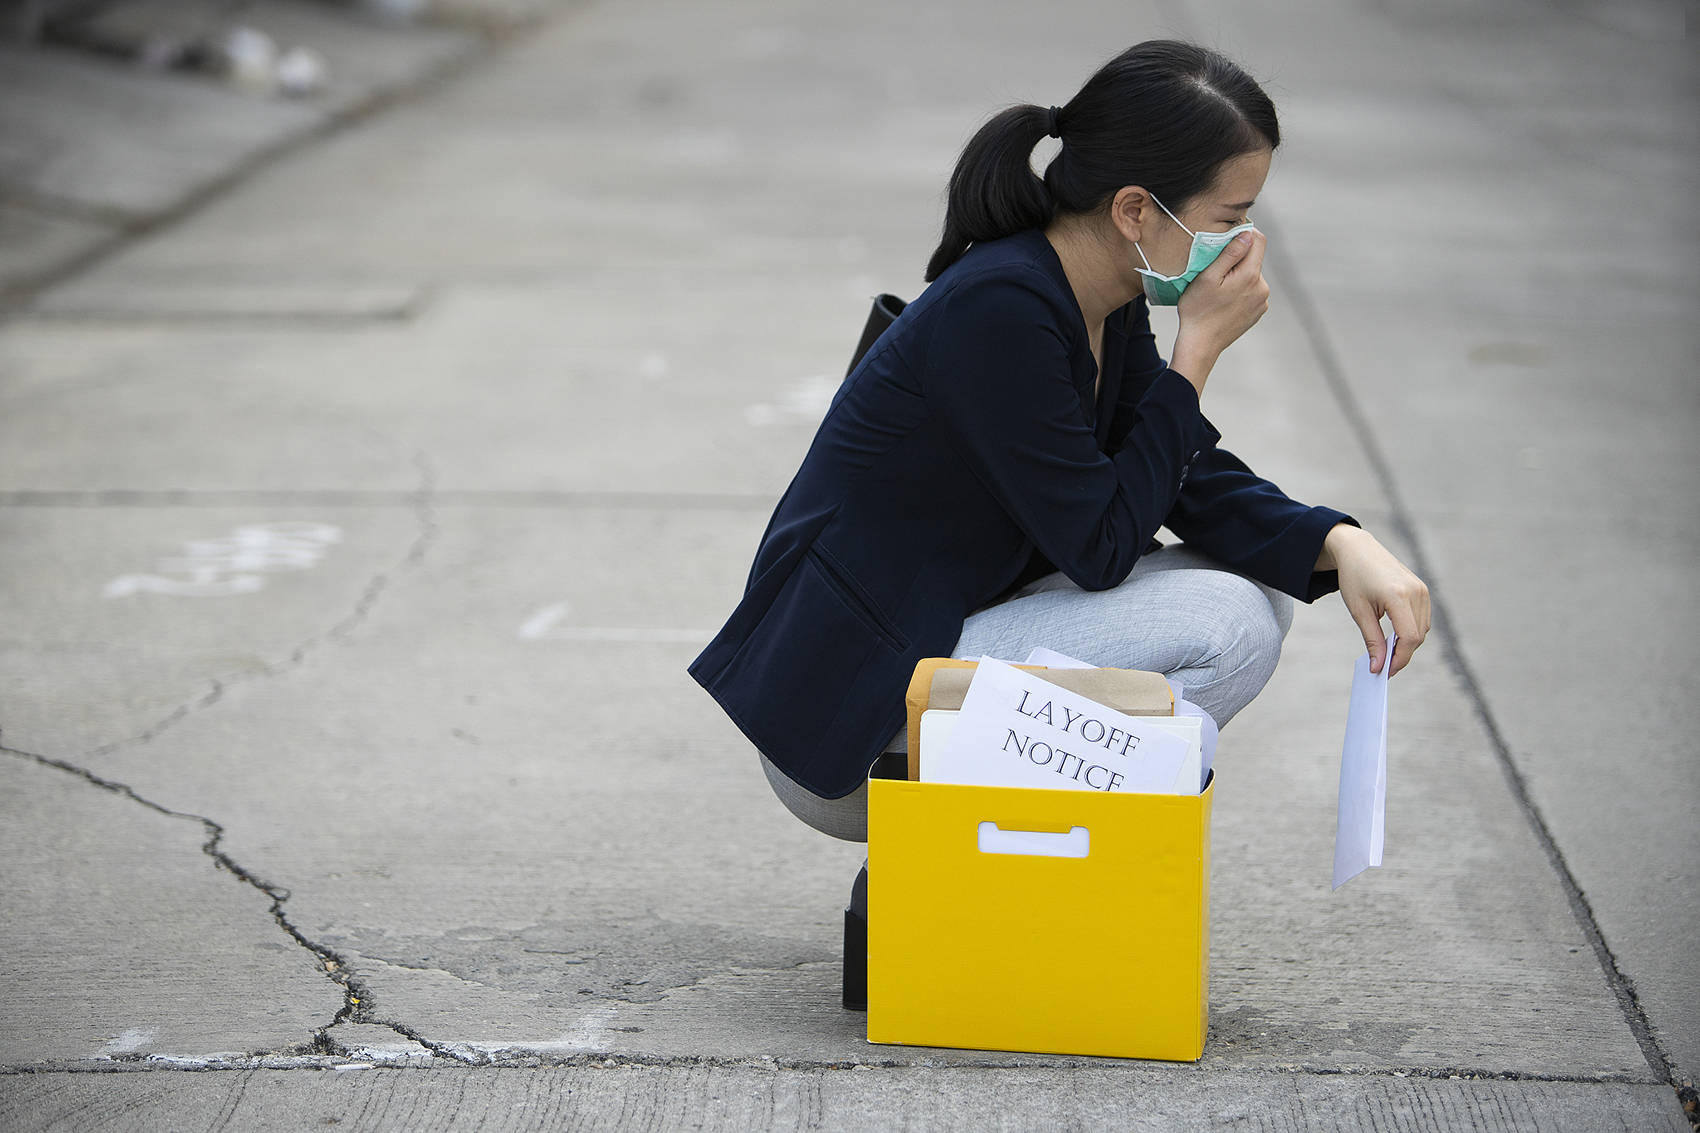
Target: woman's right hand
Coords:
[[1222, 303]]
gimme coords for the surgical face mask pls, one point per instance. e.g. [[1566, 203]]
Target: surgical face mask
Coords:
[[1165, 290]]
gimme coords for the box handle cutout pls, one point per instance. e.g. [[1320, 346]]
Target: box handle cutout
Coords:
[[1073, 843]]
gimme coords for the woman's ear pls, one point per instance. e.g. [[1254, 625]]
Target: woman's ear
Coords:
[[1130, 212]]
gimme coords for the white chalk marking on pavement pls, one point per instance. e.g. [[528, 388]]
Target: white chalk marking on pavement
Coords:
[[543, 620], [130, 1041], [545, 624], [233, 564], [590, 1030]]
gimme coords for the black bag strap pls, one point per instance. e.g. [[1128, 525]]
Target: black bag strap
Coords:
[[885, 312]]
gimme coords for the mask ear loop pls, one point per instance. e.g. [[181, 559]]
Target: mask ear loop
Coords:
[[1141, 251], [1172, 216]]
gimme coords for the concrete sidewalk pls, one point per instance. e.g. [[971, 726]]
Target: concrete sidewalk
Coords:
[[489, 396]]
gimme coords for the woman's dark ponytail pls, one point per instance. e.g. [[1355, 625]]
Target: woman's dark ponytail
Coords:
[[1163, 114], [994, 191]]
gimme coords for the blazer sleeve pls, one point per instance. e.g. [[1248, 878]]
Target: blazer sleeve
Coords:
[[1249, 524], [998, 378], [1223, 508]]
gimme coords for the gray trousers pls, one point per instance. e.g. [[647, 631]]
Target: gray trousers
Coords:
[[1179, 613]]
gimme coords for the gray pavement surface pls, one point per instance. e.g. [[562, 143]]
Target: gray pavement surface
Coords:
[[96, 149], [490, 393]]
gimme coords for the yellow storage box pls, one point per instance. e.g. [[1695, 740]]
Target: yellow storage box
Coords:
[[1042, 920]]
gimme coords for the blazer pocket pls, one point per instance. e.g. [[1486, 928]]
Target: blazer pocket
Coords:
[[856, 598]]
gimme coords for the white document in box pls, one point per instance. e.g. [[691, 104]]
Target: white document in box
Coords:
[[938, 723], [1016, 729], [1050, 658]]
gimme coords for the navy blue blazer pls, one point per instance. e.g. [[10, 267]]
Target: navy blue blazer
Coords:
[[963, 456]]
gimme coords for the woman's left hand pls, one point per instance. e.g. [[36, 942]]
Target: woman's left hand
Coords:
[[1374, 583]]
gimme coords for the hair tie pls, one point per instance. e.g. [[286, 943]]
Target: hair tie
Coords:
[[1053, 122]]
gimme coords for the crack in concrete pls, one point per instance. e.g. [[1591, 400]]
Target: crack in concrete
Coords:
[[332, 963], [439, 1050], [175, 717], [423, 502], [357, 999], [1334, 375], [432, 968]]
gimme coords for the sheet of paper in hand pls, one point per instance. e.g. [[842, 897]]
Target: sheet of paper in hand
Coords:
[[1016, 729], [1359, 829]]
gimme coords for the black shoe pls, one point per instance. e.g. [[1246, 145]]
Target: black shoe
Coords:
[[856, 945]]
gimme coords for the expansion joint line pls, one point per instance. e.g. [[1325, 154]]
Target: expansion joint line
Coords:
[[1334, 374]]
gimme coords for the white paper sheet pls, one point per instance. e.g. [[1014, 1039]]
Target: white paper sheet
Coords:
[[1016, 729], [1051, 659], [937, 724], [1190, 779], [1361, 818], [1207, 728], [1183, 707]]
